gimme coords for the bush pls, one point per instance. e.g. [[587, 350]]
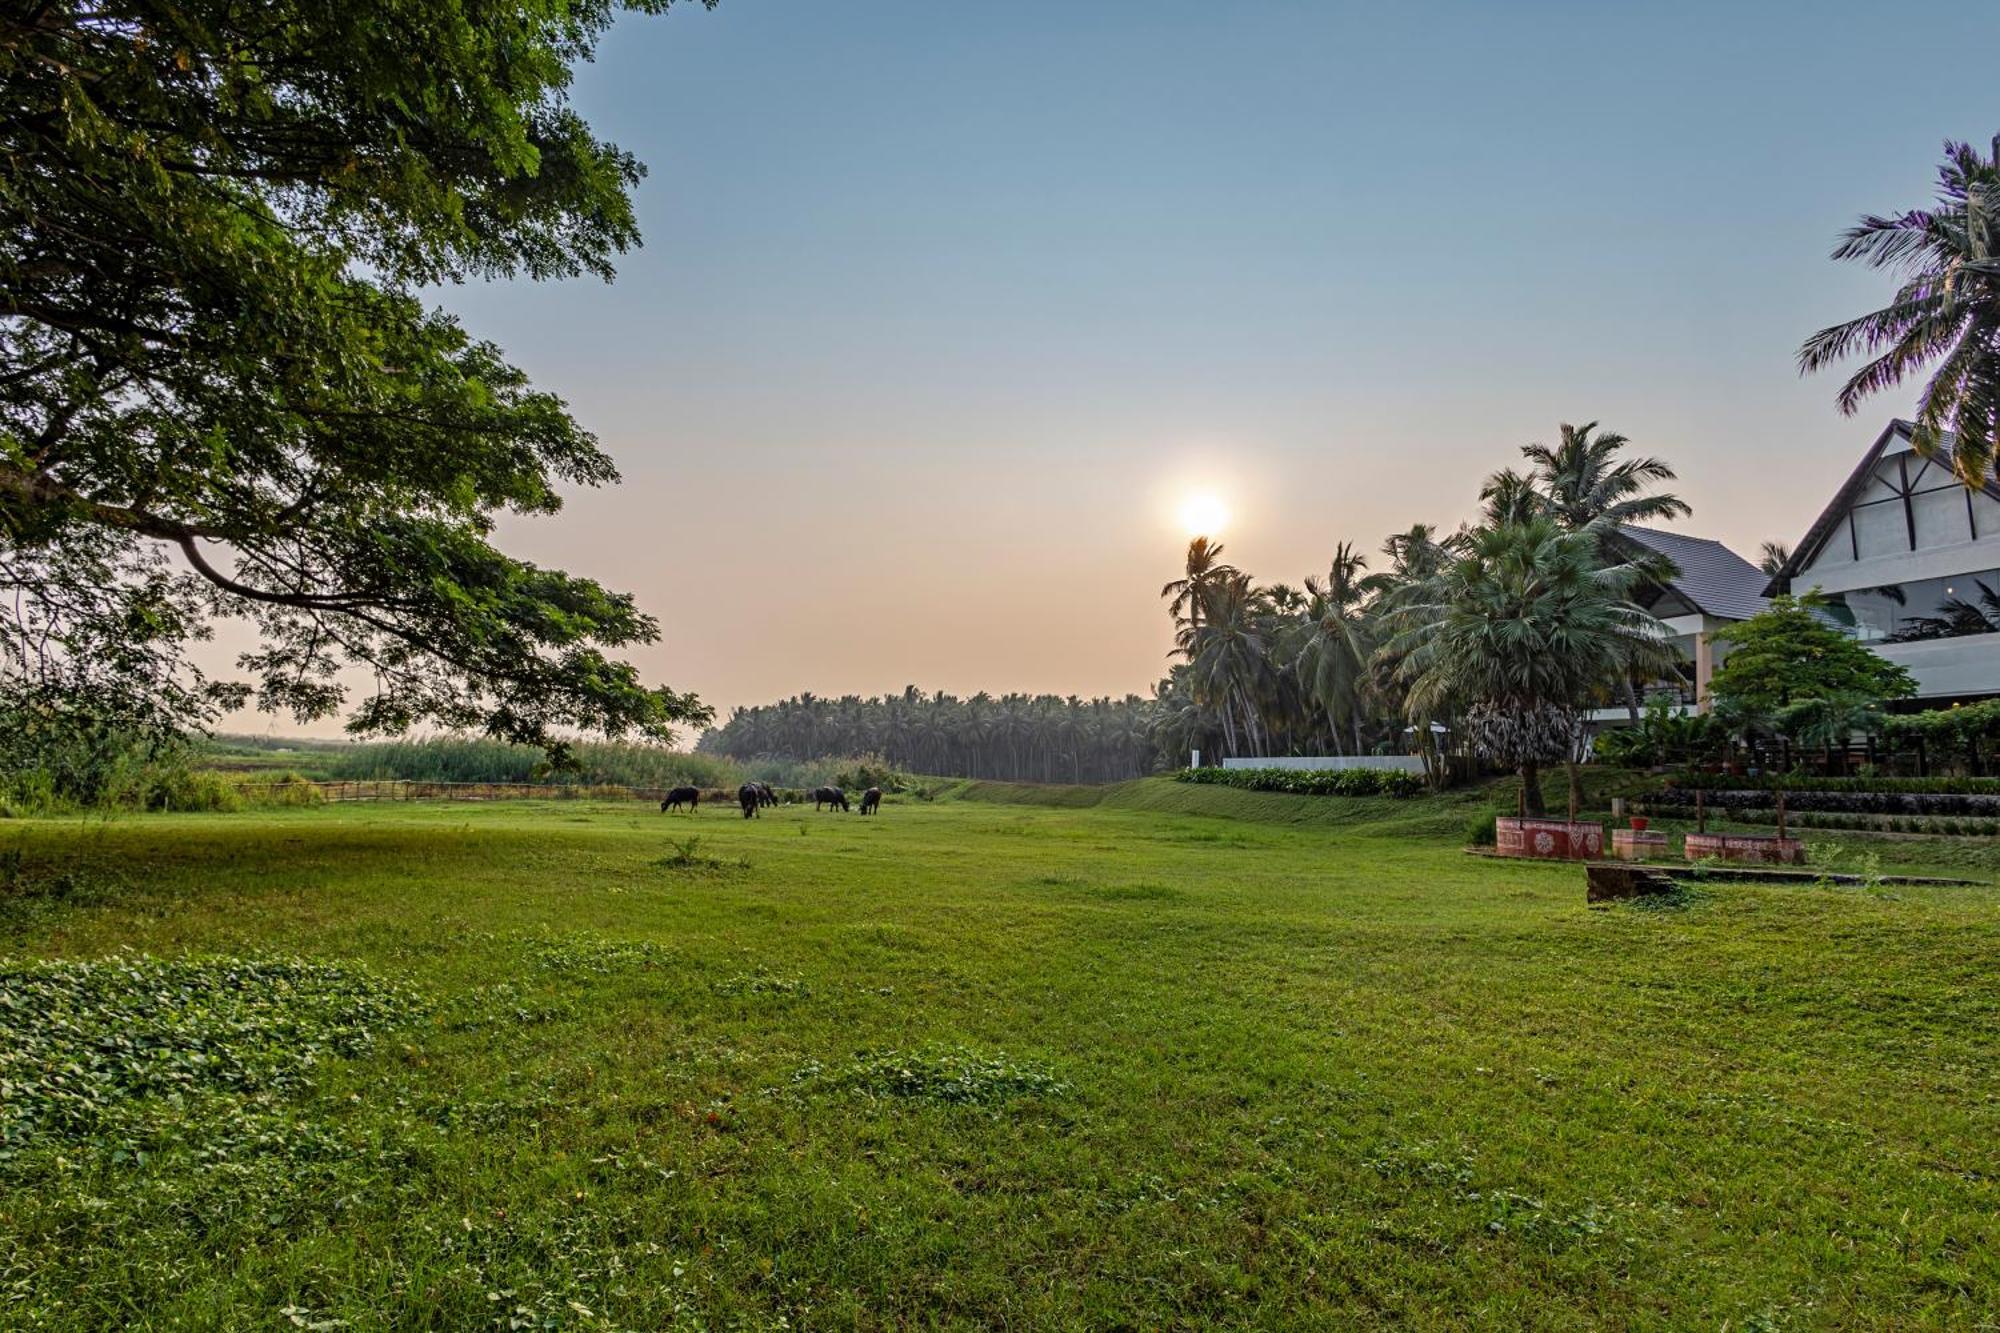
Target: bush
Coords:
[[189, 791], [1792, 782], [1312, 781], [1481, 830]]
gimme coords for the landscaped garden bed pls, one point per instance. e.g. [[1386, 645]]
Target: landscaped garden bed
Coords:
[[1548, 839], [1748, 848]]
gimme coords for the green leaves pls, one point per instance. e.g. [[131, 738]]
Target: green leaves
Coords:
[[1787, 655], [216, 225], [1945, 313], [1312, 782], [85, 1046]]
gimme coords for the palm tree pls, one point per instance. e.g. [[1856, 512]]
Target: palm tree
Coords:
[[1509, 497], [1229, 649], [1772, 557], [1586, 487], [1204, 569], [1521, 630], [1330, 658], [1583, 483], [1946, 311]]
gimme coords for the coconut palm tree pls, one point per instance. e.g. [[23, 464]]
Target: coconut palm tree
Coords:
[[1333, 642], [1945, 313], [1583, 483], [1229, 649], [1772, 557], [1520, 631], [1585, 486], [1204, 570], [1509, 497]]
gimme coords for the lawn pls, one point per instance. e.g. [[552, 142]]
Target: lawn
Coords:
[[1183, 1057]]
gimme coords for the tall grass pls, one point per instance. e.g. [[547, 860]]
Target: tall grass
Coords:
[[623, 764]]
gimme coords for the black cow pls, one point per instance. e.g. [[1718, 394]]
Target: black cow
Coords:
[[871, 801], [682, 796], [765, 796], [749, 798], [832, 796]]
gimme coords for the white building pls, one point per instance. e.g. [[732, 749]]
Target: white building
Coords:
[[1712, 587], [1908, 558]]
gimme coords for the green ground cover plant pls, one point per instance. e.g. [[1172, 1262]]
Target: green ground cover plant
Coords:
[[1151, 1055], [1313, 781]]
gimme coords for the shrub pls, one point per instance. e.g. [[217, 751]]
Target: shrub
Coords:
[[190, 790], [1311, 781], [1480, 830], [1792, 782]]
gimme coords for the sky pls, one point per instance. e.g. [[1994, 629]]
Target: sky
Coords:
[[945, 310]]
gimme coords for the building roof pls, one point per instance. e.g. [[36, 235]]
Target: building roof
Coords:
[[1823, 527], [1711, 576]]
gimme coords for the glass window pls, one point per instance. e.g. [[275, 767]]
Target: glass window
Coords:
[[1941, 608]]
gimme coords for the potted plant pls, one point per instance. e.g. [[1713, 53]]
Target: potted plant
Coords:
[[1638, 823]]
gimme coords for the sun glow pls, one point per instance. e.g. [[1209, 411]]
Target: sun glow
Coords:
[[1203, 514]]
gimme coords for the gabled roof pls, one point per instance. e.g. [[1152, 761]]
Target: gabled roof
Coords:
[[1823, 527], [1712, 577]]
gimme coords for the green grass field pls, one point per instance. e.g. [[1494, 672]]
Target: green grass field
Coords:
[[990, 1061]]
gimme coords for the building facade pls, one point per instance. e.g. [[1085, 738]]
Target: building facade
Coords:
[[1907, 558]]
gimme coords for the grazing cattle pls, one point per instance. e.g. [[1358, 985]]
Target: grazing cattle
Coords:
[[765, 796], [749, 798], [871, 801], [682, 796], [832, 796]]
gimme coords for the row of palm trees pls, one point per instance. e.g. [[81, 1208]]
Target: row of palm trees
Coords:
[[1493, 639], [1009, 737]]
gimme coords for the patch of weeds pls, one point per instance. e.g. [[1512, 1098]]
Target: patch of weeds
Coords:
[[761, 982], [502, 1004], [22, 881], [1833, 858], [1679, 898], [1533, 1222], [87, 1047], [1505, 1212], [939, 1076], [687, 856], [1425, 1162], [577, 954]]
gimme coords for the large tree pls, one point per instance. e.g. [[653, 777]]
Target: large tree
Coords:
[[1945, 313], [1517, 634], [221, 389]]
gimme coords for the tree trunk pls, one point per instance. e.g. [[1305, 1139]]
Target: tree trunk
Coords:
[[1531, 790], [1575, 790], [1631, 700]]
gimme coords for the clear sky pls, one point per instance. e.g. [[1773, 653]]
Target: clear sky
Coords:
[[944, 308]]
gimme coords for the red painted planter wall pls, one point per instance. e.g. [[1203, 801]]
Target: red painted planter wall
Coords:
[[1756, 848], [1548, 839]]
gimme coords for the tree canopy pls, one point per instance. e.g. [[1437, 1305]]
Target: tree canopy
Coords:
[[1786, 655], [1946, 312], [222, 391]]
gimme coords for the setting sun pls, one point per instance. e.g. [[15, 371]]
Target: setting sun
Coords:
[[1203, 515]]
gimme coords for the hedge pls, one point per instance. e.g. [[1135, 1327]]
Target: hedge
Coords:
[[1794, 782], [1842, 802], [1312, 781], [1945, 825]]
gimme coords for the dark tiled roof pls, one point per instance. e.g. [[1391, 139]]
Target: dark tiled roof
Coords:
[[1712, 576]]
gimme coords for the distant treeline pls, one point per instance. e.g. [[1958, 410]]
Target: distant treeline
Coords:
[[1009, 737]]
